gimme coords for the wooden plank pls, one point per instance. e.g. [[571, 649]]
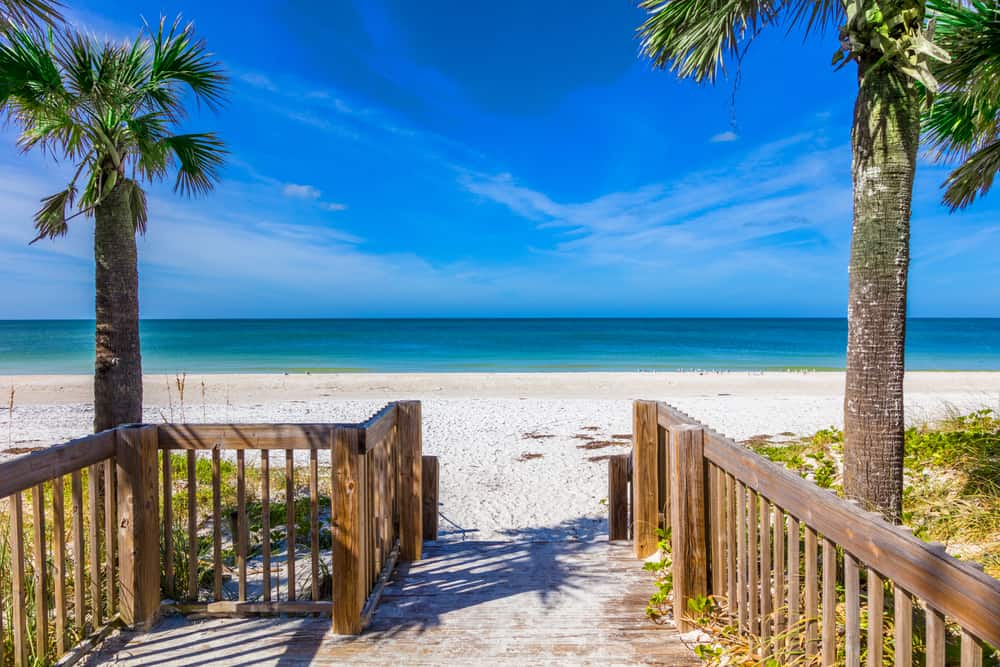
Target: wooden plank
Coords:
[[876, 618], [94, 545], [19, 621], [24, 472], [265, 530], [110, 531], [964, 593], [687, 519], [192, 525], [314, 521], [902, 627], [290, 550], [829, 627], [765, 568], [852, 612], [378, 427], [972, 650], [139, 526], [216, 524], [245, 436], [59, 560], [935, 638], [79, 556], [645, 479], [717, 529], [731, 546], [431, 470], [347, 566], [169, 580], [617, 497], [237, 608], [241, 525], [778, 560], [39, 569], [742, 588], [811, 597], [753, 566], [792, 600], [411, 519]]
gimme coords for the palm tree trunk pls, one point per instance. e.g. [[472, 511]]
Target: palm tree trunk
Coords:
[[884, 142], [118, 365]]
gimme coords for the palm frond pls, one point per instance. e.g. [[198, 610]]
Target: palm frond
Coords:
[[137, 205], [28, 70], [51, 220], [964, 122], [30, 13], [973, 178], [179, 57], [695, 38], [200, 157]]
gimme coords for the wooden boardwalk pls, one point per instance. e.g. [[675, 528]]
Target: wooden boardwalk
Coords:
[[476, 602]]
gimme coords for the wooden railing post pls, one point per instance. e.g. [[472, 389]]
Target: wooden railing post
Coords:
[[688, 518], [411, 528], [138, 524], [430, 471], [618, 497], [348, 571], [645, 478]]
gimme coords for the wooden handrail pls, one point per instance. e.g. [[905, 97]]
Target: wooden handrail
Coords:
[[955, 588], [247, 436], [24, 472], [377, 428]]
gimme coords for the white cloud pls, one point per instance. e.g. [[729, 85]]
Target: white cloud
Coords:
[[297, 191], [258, 80], [775, 197], [724, 137], [332, 206]]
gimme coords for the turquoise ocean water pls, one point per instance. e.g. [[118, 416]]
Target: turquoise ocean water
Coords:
[[449, 345]]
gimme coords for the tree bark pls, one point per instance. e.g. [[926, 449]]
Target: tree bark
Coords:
[[884, 143], [118, 365]]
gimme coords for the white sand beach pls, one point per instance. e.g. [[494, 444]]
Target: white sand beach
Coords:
[[485, 427]]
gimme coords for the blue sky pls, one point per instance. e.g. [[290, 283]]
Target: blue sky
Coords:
[[393, 158]]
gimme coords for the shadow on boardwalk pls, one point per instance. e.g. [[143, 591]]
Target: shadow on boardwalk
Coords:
[[528, 600]]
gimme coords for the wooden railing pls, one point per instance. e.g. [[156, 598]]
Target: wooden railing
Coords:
[[60, 576], [780, 553], [142, 530]]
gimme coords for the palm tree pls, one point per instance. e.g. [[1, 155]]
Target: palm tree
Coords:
[[110, 109], [963, 125], [890, 45], [28, 13]]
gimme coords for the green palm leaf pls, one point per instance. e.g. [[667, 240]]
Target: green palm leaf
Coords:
[[31, 13], [963, 126], [112, 109]]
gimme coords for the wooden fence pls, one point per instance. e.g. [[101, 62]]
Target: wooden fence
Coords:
[[787, 558], [142, 531]]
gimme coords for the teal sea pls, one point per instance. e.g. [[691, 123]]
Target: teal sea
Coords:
[[451, 345]]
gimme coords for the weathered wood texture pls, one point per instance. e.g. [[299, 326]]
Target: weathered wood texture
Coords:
[[465, 603], [645, 479], [411, 511], [430, 472], [24, 472], [956, 589], [688, 519], [138, 525], [618, 468]]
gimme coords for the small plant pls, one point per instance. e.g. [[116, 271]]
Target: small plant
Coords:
[[660, 604], [181, 381]]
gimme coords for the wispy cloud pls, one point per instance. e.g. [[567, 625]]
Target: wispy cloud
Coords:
[[301, 191], [781, 196], [724, 137]]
